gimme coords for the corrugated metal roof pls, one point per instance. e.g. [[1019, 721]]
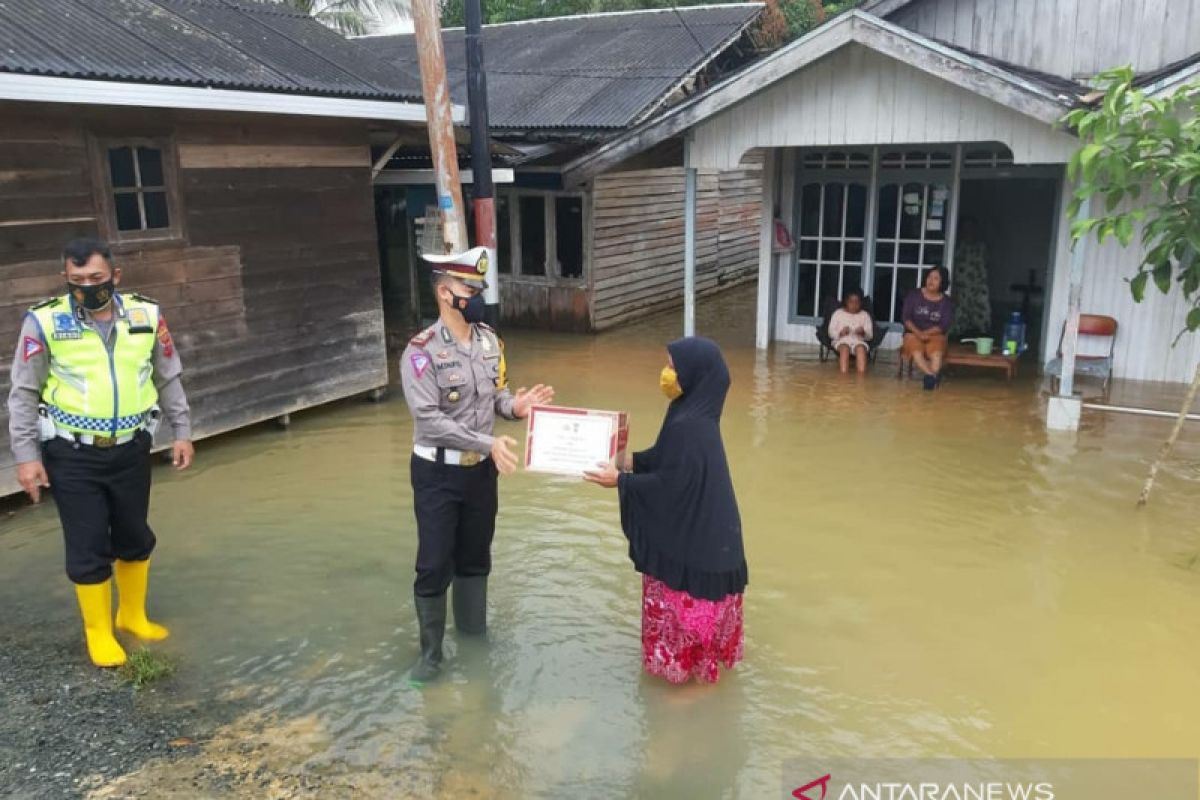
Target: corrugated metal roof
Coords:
[[229, 44], [592, 71]]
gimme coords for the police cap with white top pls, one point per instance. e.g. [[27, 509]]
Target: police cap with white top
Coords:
[[470, 267]]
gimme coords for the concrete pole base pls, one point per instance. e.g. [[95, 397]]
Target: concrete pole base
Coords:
[[1063, 413]]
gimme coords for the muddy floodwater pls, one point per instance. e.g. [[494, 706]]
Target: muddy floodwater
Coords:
[[931, 574]]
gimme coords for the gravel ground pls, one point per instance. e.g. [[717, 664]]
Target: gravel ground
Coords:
[[67, 727]]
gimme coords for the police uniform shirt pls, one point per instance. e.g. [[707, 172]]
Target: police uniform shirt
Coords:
[[31, 368], [455, 390]]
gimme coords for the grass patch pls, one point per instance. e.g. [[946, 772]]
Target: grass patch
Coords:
[[144, 667]]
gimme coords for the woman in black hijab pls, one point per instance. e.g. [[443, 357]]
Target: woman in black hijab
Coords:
[[681, 518]]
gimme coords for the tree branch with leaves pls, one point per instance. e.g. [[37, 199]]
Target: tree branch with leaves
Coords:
[[1141, 159]]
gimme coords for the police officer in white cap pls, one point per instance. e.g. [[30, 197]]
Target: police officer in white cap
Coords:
[[455, 381]]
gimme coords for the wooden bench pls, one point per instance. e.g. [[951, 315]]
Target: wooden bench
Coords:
[[964, 355]]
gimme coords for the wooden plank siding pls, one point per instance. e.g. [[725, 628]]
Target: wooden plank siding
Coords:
[[273, 296], [820, 107], [637, 242], [1069, 38]]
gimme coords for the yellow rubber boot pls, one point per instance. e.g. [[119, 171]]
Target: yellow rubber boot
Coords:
[[131, 609], [95, 605]]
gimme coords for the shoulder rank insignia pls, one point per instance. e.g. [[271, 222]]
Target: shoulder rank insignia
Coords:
[[141, 298], [139, 321], [47, 302], [422, 338]]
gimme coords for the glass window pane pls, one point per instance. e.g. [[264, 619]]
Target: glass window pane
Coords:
[[150, 163], [854, 252], [503, 236], [889, 197], [831, 225], [856, 212], [885, 253], [830, 291], [881, 303], [810, 209], [806, 290], [934, 255], [156, 210], [808, 249], [851, 279], [909, 254], [128, 216], [913, 201], [568, 231], [533, 235], [120, 167], [831, 251]]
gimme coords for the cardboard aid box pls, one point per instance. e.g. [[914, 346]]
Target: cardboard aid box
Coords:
[[568, 441]]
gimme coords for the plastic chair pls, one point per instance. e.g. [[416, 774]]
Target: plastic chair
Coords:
[[1091, 366], [878, 332]]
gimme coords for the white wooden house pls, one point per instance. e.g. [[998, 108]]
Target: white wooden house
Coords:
[[888, 125]]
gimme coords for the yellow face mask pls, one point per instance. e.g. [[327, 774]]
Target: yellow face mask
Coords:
[[668, 381]]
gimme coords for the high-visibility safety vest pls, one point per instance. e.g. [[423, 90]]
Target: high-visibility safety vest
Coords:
[[93, 390]]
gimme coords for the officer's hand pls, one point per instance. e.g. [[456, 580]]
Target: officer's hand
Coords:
[[33, 478], [503, 456], [525, 399], [604, 475], [182, 454]]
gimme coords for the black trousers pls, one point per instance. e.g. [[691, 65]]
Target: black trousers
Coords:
[[103, 497], [456, 520]]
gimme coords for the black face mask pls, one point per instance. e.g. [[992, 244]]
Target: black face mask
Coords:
[[472, 308], [93, 297]]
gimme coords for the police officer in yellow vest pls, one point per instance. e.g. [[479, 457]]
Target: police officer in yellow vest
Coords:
[[456, 384], [93, 372]]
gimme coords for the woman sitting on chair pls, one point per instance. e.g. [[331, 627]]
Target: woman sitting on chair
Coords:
[[927, 315]]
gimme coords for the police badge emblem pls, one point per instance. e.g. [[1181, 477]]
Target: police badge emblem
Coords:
[[66, 326]]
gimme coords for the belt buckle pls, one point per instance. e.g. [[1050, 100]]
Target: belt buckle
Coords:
[[104, 442], [469, 458]]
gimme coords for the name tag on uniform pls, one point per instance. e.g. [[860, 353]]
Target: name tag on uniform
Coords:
[[139, 321], [66, 326]]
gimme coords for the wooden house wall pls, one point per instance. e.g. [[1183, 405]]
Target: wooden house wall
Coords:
[[1071, 38], [637, 241], [1146, 331], [273, 295], [856, 96]]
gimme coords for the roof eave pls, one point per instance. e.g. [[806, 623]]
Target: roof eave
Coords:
[[50, 89], [1169, 83], [854, 27]]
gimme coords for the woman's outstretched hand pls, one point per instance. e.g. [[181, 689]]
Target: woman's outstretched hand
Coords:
[[604, 475]]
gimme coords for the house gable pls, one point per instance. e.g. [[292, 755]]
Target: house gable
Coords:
[[857, 96]]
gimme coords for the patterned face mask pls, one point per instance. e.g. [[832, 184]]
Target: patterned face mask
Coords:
[[93, 297]]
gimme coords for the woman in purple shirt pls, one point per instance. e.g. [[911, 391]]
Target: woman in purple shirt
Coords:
[[927, 315]]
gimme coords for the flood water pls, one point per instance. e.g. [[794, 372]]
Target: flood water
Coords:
[[931, 574]]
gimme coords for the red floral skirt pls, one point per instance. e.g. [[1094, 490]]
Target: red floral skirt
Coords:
[[685, 637]]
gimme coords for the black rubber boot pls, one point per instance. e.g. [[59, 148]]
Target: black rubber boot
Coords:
[[431, 620], [470, 605]]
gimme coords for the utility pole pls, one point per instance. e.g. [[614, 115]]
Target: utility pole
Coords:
[[481, 157], [432, 58]]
